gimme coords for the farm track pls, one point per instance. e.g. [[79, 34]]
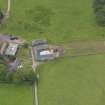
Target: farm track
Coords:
[[84, 48], [35, 85]]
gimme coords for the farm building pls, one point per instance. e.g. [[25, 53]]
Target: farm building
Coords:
[[8, 49], [9, 46], [12, 49], [42, 52]]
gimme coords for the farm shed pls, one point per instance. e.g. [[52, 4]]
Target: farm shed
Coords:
[[12, 49], [44, 54], [41, 50]]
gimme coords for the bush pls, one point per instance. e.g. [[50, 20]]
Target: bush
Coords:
[[22, 75], [2, 73], [26, 45], [100, 18]]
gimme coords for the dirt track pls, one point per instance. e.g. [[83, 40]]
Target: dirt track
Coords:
[[77, 48]]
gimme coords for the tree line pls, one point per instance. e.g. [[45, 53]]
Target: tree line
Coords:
[[99, 10]]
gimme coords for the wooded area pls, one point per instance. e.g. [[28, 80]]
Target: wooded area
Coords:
[[99, 10]]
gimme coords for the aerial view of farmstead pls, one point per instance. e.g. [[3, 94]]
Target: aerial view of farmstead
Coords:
[[52, 52]]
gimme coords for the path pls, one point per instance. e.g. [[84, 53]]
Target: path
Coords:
[[34, 63], [35, 86], [84, 48]]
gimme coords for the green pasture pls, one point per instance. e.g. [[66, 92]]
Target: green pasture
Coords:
[[12, 94], [66, 81], [56, 20], [73, 81]]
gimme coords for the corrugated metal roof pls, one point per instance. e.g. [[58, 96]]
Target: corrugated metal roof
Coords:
[[39, 42], [12, 49], [41, 57]]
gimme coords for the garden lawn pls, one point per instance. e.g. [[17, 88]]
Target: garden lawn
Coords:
[[15, 94]]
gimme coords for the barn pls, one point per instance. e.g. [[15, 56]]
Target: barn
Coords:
[[41, 50], [12, 49]]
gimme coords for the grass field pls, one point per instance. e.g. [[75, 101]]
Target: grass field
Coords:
[[73, 81], [67, 81], [15, 94], [69, 20]]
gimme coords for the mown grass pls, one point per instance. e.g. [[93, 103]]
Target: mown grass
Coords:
[[73, 81], [12, 94]]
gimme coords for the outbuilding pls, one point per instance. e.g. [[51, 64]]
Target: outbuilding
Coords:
[[12, 49], [41, 50]]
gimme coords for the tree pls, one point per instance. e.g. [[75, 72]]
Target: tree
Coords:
[[1, 16], [99, 10], [100, 18], [24, 75], [2, 72]]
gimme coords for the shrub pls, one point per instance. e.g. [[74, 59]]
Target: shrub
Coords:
[[100, 18]]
